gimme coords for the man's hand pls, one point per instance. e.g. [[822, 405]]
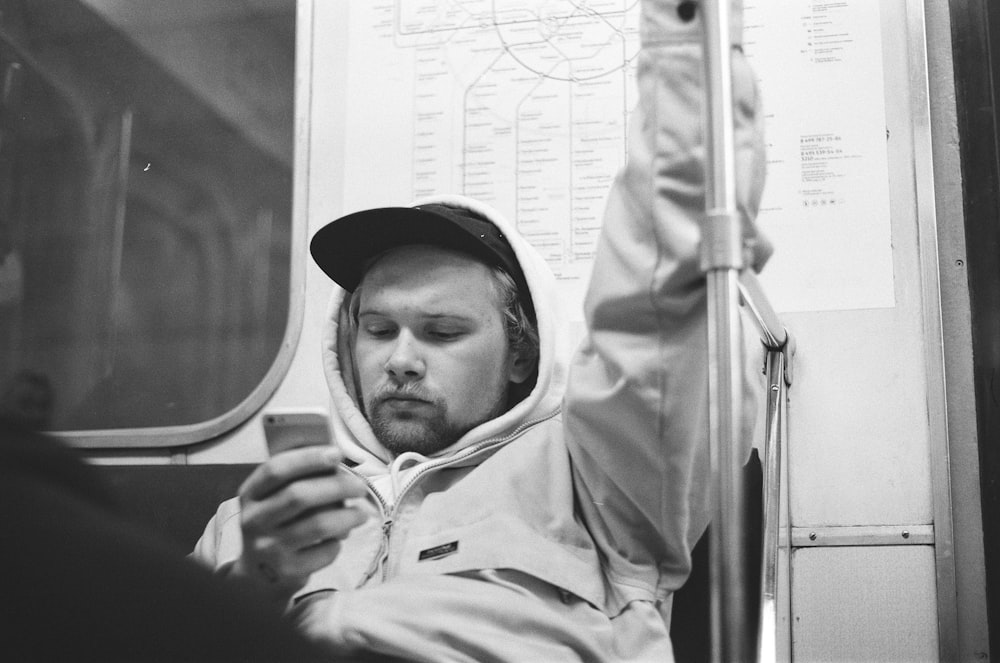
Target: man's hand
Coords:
[[294, 517]]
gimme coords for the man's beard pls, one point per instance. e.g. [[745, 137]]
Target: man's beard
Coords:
[[425, 433]]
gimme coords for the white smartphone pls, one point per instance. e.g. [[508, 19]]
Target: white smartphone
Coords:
[[291, 429]]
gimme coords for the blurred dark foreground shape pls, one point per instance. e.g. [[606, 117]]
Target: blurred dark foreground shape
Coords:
[[82, 583]]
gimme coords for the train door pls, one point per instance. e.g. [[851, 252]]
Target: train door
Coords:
[[976, 30]]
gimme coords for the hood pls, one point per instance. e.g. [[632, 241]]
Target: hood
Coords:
[[351, 429]]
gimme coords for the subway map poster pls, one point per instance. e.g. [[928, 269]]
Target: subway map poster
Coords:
[[523, 104]]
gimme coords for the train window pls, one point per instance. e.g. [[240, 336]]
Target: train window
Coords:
[[146, 159]]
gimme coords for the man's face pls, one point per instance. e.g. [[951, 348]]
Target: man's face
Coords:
[[431, 351]]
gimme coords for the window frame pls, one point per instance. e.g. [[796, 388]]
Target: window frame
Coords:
[[166, 437]]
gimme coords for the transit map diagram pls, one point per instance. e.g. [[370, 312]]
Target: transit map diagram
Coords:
[[523, 104]]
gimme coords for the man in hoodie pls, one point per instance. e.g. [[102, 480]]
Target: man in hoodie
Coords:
[[487, 499]]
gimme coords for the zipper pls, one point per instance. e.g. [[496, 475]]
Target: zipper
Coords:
[[384, 561], [371, 487], [381, 557], [382, 554]]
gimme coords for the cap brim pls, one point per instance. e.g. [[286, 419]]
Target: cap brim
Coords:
[[344, 248]]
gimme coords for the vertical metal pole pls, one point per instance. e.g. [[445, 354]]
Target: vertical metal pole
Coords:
[[722, 260]]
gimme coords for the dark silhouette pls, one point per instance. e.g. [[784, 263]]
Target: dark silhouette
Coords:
[[82, 583]]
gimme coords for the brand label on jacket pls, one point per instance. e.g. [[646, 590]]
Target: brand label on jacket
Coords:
[[437, 552]]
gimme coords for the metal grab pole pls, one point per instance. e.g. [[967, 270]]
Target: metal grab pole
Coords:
[[722, 260]]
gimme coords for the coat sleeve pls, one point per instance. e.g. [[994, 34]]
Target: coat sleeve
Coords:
[[637, 397], [221, 543]]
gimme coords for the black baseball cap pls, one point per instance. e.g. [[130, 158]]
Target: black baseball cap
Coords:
[[344, 247]]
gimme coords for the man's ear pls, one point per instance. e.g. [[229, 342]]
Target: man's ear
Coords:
[[522, 365]]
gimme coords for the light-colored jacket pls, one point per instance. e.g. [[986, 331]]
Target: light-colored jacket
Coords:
[[559, 530]]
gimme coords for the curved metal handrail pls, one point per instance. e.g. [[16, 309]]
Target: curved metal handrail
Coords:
[[772, 333], [767, 644]]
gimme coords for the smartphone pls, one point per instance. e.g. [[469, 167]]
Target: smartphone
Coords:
[[291, 429]]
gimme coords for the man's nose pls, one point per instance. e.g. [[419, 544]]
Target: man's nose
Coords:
[[405, 363]]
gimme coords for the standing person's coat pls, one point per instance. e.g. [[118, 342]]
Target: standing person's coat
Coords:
[[559, 530]]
